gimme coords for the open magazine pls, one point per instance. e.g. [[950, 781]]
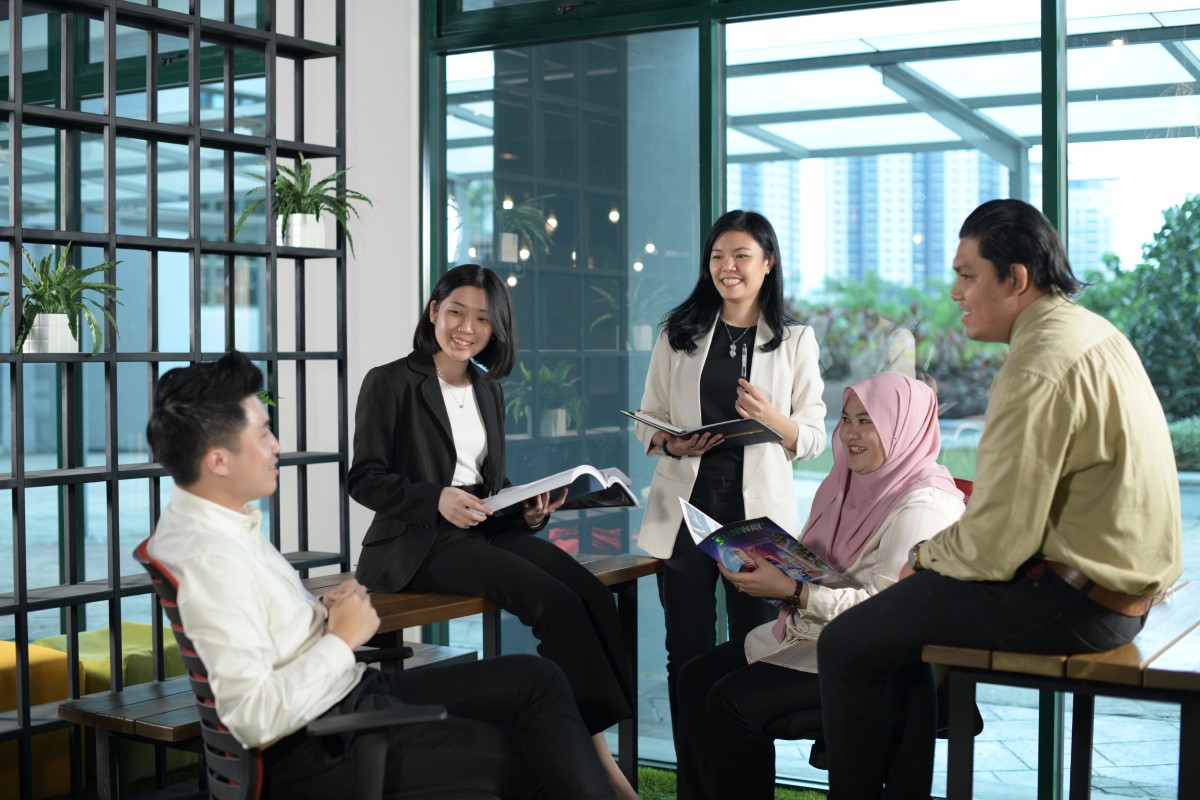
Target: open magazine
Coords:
[[587, 487], [737, 432], [728, 546]]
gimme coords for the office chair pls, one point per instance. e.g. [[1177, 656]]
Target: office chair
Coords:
[[236, 773]]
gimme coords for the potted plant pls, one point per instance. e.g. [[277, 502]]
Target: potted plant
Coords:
[[646, 306], [299, 203], [560, 401], [55, 299]]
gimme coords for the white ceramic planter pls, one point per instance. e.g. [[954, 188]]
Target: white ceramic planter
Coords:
[[304, 230], [554, 422], [50, 334]]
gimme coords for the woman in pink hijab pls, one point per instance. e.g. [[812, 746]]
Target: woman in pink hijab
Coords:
[[885, 493]]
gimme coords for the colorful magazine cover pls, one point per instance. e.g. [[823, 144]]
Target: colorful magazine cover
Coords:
[[728, 545]]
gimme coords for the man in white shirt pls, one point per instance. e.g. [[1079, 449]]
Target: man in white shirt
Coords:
[[278, 658]]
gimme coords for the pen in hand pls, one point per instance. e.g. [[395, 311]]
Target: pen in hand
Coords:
[[744, 375]]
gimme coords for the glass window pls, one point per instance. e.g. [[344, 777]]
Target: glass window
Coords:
[[866, 154], [571, 171]]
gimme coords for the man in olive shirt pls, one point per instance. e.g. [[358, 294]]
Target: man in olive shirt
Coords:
[[1073, 525]]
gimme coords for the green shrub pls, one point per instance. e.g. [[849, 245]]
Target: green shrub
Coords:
[[1185, 438]]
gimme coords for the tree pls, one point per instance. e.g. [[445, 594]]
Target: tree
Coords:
[[1157, 305]]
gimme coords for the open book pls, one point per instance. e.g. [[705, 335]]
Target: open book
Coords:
[[737, 432], [728, 546], [587, 487]]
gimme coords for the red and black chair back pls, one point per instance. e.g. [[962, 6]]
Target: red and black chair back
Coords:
[[233, 772]]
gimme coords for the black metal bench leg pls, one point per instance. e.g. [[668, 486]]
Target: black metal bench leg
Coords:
[[1083, 714], [1189, 746], [961, 760], [1050, 745], [491, 634], [108, 766], [627, 735]]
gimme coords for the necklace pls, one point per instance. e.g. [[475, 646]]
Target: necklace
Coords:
[[732, 341], [458, 401]]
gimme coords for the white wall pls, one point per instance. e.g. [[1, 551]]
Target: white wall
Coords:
[[384, 279]]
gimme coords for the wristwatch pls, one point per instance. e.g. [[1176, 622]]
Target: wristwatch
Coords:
[[666, 452], [794, 600], [914, 556]]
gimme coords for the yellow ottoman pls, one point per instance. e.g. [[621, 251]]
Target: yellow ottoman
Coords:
[[51, 751], [137, 666]]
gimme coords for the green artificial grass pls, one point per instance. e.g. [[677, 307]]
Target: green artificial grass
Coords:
[[659, 784]]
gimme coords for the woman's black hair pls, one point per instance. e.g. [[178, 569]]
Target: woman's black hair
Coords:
[[1014, 232], [689, 321], [197, 408], [500, 355]]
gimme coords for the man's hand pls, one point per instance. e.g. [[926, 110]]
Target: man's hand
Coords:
[[462, 509], [536, 509], [344, 588], [765, 580], [352, 618]]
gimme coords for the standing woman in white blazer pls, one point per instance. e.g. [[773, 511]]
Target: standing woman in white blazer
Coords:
[[729, 350]]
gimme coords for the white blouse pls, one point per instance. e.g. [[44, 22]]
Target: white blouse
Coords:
[[470, 438], [918, 515]]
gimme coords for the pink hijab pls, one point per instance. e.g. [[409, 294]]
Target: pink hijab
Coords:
[[848, 508]]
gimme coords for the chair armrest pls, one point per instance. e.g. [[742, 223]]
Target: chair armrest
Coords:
[[372, 655], [375, 720]]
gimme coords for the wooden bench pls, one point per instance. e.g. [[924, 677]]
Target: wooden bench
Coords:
[[1162, 664], [164, 712]]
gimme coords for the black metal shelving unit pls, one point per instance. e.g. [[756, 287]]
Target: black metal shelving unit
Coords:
[[205, 49]]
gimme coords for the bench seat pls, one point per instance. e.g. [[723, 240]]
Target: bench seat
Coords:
[[1162, 663]]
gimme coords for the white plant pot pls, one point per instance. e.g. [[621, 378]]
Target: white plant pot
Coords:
[[50, 333], [554, 422], [304, 230], [641, 337]]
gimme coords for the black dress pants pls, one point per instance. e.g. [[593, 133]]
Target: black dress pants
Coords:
[[513, 731], [687, 589], [877, 697], [725, 705], [572, 614]]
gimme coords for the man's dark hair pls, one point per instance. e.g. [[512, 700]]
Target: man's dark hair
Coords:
[[198, 408], [1014, 232], [500, 355], [691, 320]]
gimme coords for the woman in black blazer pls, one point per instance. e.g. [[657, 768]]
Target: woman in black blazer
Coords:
[[428, 445]]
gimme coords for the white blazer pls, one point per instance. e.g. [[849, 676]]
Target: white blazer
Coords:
[[789, 376]]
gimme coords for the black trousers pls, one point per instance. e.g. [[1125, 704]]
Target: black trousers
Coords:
[[687, 589], [513, 731], [572, 614], [877, 698], [725, 705]]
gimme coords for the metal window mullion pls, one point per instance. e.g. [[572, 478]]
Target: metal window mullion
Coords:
[[197, 272], [1054, 113], [711, 85], [433, 109]]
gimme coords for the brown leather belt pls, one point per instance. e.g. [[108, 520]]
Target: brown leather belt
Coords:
[[1131, 605]]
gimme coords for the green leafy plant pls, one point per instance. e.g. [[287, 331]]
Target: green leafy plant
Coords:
[[646, 304], [56, 287], [555, 386], [297, 193], [527, 219], [1185, 440], [265, 398], [1157, 305]]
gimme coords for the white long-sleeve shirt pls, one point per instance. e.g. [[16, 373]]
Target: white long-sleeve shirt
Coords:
[[916, 516], [273, 665]]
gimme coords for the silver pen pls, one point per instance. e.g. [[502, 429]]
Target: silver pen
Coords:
[[744, 376]]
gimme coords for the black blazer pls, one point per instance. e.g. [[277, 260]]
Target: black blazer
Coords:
[[404, 457]]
